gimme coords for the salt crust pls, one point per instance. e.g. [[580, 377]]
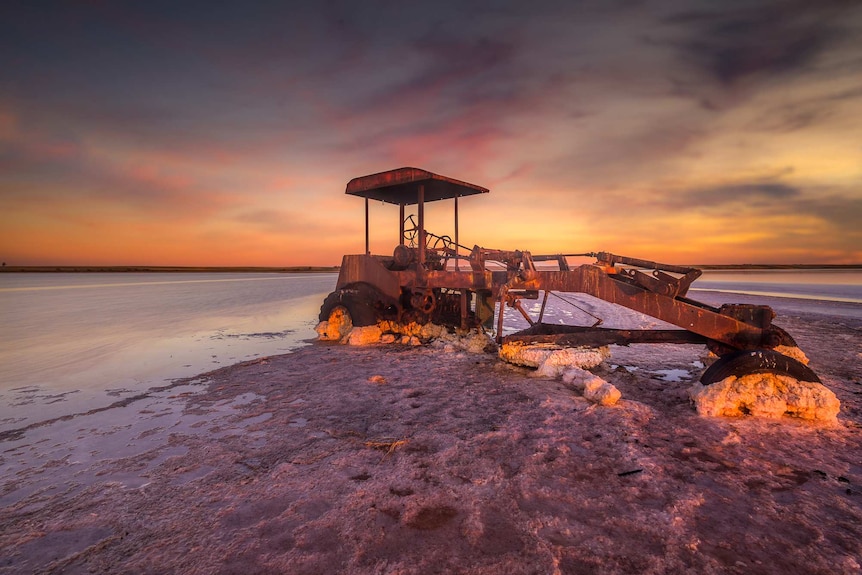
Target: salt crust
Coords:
[[593, 387], [366, 335], [389, 332], [766, 395], [793, 352], [570, 363], [552, 361], [338, 326], [760, 395], [788, 350]]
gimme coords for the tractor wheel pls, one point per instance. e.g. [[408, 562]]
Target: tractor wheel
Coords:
[[741, 363], [358, 302]]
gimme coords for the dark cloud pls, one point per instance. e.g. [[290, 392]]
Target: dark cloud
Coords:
[[790, 118], [798, 115], [840, 210], [751, 193], [758, 40], [838, 230], [463, 71], [843, 214]]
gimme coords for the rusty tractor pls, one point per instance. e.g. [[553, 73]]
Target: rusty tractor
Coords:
[[433, 278]]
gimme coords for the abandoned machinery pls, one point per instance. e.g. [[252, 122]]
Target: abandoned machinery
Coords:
[[433, 278]]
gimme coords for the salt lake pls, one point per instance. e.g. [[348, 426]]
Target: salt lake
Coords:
[[73, 341]]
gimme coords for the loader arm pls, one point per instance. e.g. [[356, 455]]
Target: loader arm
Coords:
[[704, 320]]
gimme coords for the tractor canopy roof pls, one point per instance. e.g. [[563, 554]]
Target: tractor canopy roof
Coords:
[[401, 187]]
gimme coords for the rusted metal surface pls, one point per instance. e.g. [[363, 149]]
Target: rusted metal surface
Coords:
[[594, 281], [400, 186], [576, 336], [424, 280], [371, 270]]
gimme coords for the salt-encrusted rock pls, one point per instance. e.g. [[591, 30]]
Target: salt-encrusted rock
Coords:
[[593, 387], [424, 332], [321, 330], [550, 360], [477, 342], [338, 326], [528, 356], [410, 332], [601, 392], [408, 329], [472, 342], [577, 378], [410, 340], [561, 359], [568, 362], [788, 350], [766, 395], [430, 331], [366, 335], [794, 352]]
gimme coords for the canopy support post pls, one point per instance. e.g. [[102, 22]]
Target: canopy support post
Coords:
[[401, 225], [421, 235], [457, 265]]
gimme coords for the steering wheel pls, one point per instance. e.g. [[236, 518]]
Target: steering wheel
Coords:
[[412, 232]]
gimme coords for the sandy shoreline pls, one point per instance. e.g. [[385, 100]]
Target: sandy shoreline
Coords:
[[398, 460]]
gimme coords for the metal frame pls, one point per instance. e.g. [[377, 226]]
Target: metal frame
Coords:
[[416, 280]]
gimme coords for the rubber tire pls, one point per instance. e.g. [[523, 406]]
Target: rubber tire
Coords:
[[741, 363], [358, 305]]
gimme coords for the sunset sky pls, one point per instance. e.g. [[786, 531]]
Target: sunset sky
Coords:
[[185, 133]]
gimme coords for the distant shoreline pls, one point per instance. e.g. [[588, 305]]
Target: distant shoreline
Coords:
[[166, 269], [319, 269], [742, 267]]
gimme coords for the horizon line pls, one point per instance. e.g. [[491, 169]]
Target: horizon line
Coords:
[[310, 268]]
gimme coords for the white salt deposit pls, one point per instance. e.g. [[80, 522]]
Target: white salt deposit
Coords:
[[794, 352], [338, 326], [570, 363], [591, 386], [766, 395], [366, 335], [550, 360]]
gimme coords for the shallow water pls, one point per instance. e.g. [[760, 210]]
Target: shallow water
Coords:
[[824, 285], [71, 342]]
